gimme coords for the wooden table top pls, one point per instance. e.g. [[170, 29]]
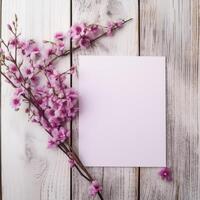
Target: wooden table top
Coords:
[[168, 28]]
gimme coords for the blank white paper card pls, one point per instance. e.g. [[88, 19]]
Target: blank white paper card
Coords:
[[122, 119]]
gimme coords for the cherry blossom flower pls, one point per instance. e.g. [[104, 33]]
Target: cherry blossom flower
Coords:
[[71, 95], [13, 42], [18, 92], [84, 42], [13, 68], [113, 25], [71, 163], [18, 80], [50, 52], [59, 136], [82, 34], [59, 36], [77, 30], [16, 103], [52, 143], [94, 188], [60, 47], [94, 30], [35, 80], [34, 53], [28, 72], [166, 174]]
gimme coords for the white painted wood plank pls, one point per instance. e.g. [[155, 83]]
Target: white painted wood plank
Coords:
[[30, 171], [118, 183], [171, 29]]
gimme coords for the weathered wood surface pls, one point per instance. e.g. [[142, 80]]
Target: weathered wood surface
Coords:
[[29, 170], [168, 28], [118, 183], [171, 28]]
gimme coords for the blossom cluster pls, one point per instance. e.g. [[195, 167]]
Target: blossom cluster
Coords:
[[50, 101], [82, 34]]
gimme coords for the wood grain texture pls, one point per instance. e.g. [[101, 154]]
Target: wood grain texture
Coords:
[[118, 183], [171, 28], [30, 171]]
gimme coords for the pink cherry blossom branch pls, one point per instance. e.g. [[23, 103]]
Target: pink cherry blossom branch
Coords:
[[61, 146], [51, 102]]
